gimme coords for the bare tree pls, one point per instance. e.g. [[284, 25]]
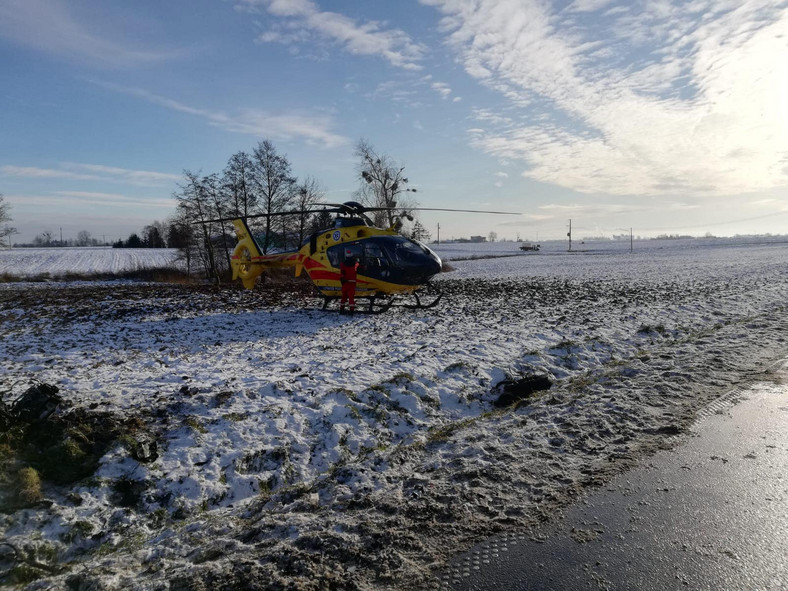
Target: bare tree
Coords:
[[238, 182], [195, 205], [83, 238], [7, 232], [5, 209], [43, 239], [5, 217], [382, 184], [273, 183], [309, 194], [181, 235], [221, 209]]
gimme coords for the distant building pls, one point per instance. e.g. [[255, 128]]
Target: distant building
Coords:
[[478, 239]]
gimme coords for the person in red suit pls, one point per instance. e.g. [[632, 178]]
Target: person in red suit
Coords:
[[347, 277]]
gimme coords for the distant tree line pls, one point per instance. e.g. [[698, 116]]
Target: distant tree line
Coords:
[[155, 235], [47, 239]]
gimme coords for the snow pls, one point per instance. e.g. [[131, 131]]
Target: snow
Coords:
[[32, 262], [368, 448]]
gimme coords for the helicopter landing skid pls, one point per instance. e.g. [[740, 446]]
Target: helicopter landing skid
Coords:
[[419, 306], [377, 304], [374, 305]]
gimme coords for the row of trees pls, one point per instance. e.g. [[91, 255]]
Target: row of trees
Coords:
[[261, 183], [155, 235], [252, 184], [47, 238]]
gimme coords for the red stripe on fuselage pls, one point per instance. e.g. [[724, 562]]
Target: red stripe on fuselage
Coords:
[[323, 274]]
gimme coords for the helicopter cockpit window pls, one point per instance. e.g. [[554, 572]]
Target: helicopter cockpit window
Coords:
[[340, 252], [374, 257], [353, 251]]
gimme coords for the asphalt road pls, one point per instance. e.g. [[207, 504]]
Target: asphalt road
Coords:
[[711, 513]]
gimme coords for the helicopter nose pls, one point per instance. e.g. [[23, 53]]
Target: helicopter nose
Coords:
[[435, 265]]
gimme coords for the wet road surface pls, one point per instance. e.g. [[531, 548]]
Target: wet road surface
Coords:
[[711, 513]]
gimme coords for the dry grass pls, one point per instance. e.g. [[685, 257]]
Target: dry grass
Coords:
[[28, 486], [160, 275]]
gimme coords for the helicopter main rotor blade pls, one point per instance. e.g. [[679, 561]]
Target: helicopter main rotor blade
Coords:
[[366, 209], [266, 215], [457, 210], [344, 209], [363, 209]]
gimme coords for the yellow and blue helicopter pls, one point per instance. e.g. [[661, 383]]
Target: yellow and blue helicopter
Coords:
[[391, 264]]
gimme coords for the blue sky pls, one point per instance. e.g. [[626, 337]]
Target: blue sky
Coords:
[[666, 117]]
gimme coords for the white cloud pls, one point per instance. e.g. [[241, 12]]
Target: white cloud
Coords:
[[51, 26], [103, 199], [43, 173], [442, 89], [91, 172], [313, 128], [302, 17], [674, 98], [589, 5], [488, 116], [141, 177], [408, 93]]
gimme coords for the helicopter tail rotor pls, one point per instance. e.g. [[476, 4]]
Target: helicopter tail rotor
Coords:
[[245, 250]]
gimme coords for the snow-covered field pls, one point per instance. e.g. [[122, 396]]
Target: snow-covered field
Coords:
[[33, 262], [300, 449]]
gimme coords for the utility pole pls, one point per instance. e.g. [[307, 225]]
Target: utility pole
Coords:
[[570, 235], [630, 240], [439, 233]]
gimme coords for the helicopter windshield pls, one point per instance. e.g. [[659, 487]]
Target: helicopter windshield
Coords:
[[404, 251], [407, 251]]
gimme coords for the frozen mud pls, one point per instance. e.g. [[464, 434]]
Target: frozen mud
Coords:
[[298, 449]]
